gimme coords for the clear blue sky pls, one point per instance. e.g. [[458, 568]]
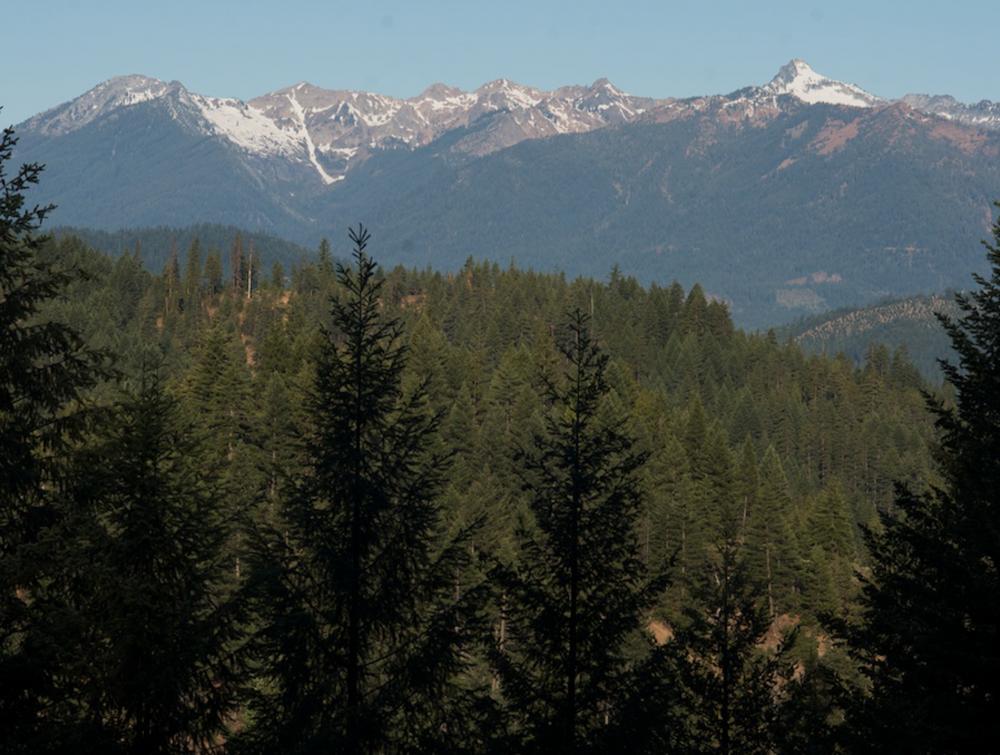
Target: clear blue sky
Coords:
[[53, 51]]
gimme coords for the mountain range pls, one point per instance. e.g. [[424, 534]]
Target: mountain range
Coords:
[[796, 196]]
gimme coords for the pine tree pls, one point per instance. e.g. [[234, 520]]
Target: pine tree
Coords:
[[173, 300], [771, 550], [277, 276], [158, 668], [362, 638], [192, 277], [44, 371], [325, 259], [578, 591], [213, 272], [237, 261], [930, 636], [728, 685]]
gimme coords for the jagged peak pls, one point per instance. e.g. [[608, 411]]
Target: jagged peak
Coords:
[[794, 69], [111, 94], [603, 85], [129, 81], [800, 80], [517, 95], [439, 90]]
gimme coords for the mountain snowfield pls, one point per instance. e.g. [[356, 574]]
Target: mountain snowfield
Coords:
[[784, 199], [799, 80], [332, 131]]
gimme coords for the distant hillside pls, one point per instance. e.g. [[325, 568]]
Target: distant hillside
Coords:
[[909, 323], [155, 244], [788, 199]]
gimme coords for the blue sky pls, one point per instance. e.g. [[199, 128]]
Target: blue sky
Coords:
[[53, 51]]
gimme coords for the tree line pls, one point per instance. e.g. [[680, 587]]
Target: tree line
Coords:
[[348, 510]]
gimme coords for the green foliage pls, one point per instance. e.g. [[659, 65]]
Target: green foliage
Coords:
[[363, 621], [930, 629], [788, 454], [577, 590], [155, 668], [730, 686], [44, 371]]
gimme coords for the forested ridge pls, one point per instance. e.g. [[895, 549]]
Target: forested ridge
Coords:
[[335, 508]]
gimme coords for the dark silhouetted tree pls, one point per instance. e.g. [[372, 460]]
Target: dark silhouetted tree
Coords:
[[930, 636], [728, 684], [362, 636], [44, 370], [157, 671], [578, 591]]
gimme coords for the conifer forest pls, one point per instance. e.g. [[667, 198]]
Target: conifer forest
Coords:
[[332, 507]]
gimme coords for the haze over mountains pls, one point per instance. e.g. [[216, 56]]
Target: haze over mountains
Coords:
[[799, 195]]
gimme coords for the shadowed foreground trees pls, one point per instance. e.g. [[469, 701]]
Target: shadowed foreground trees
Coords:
[[729, 686], [578, 591], [156, 662], [44, 371], [930, 638], [364, 629]]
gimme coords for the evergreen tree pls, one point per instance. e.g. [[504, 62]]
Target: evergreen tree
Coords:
[[192, 277], [158, 671], [44, 370], [770, 542], [728, 684], [325, 259], [362, 637], [213, 272], [277, 276], [579, 590], [237, 261], [930, 637], [173, 300]]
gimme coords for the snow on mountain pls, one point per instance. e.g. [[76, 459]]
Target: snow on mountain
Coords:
[[798, 79], [248, 127], [121, 91], [327, 132], [983, 114]]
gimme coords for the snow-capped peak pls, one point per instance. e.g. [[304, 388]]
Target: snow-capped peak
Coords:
[[797, 78], [510, 94], [118, 92]]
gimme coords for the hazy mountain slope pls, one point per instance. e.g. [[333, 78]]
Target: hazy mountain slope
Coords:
[[149, 165], [789, 216], [797, 196], [157, 243], [908, 323]]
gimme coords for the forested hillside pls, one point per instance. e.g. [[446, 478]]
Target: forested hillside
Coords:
[[801, 450], [155, 246], [909, 324], [331, 507], [691, 383]]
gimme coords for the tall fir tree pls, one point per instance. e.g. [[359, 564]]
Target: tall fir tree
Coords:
[[578, 591], [173, 298], [362, 638], [729, 686], [213, 272], [772, 553], [193, 277], [237, 262], [44, 371], [930, 636], [158, 669]]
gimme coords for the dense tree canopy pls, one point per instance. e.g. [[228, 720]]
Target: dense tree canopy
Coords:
[[399, 511]]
